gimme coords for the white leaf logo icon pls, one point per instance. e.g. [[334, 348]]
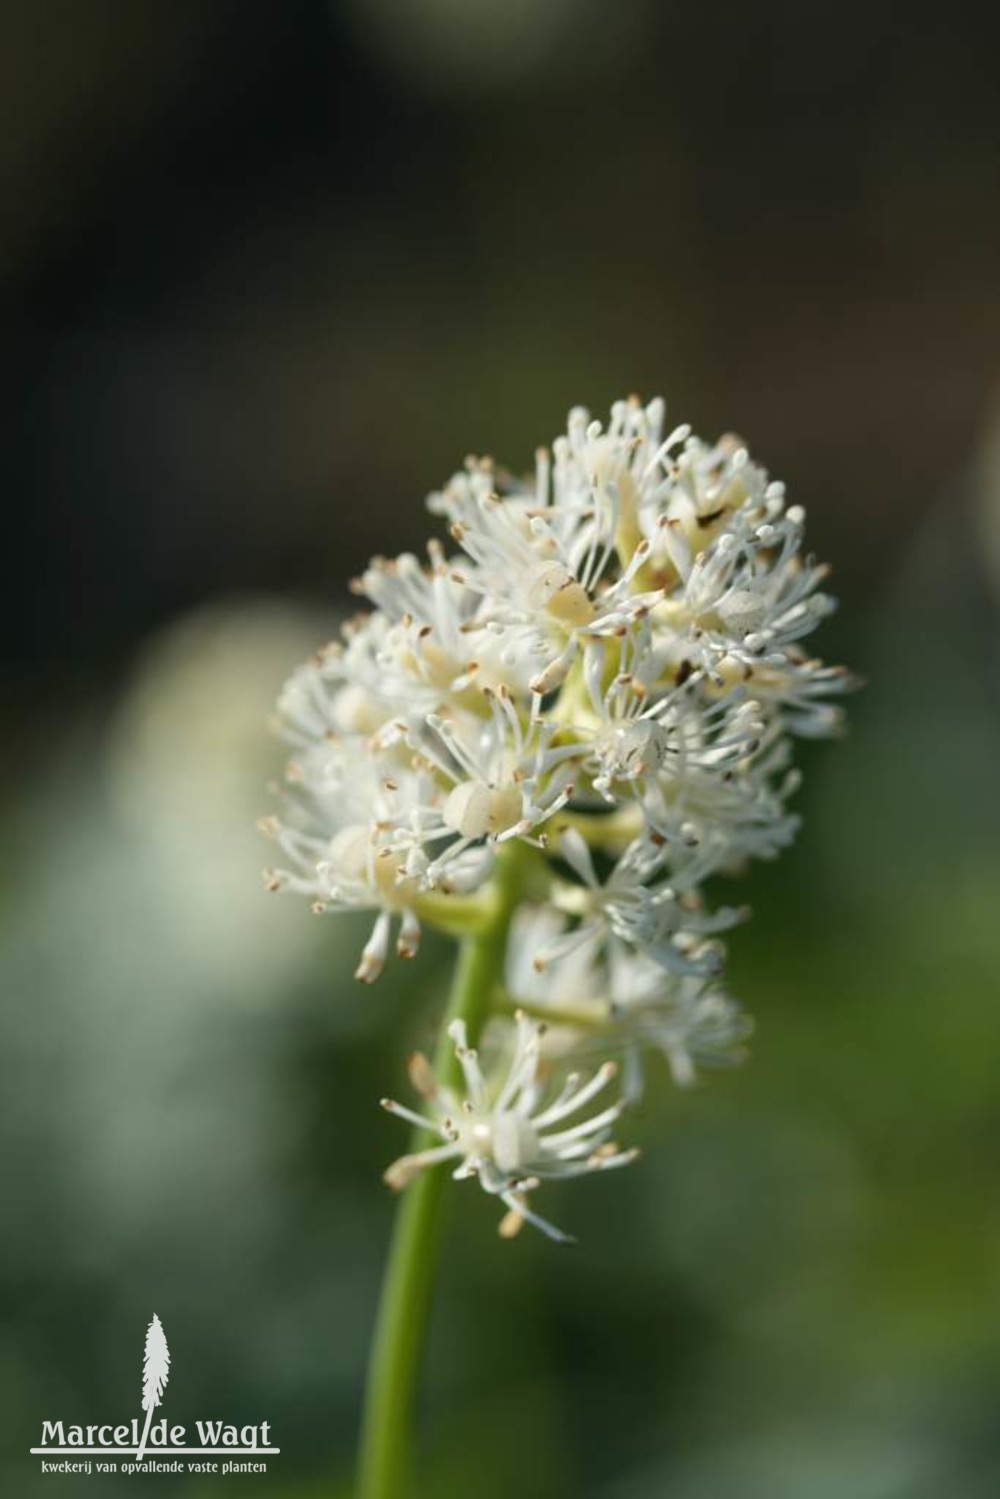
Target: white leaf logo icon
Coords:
[[155, 1373]]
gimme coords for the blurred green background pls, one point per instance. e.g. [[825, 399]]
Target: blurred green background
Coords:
[[267, 273]]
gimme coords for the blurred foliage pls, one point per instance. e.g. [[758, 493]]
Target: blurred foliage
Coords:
[[270, 272]]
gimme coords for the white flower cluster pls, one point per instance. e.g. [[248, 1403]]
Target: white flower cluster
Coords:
[[607, 673], [507, 1132]]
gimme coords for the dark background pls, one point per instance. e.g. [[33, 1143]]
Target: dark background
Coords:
[[267, 273]]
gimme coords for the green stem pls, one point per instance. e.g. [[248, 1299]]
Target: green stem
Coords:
[[588, 1014], [386, 1434]]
